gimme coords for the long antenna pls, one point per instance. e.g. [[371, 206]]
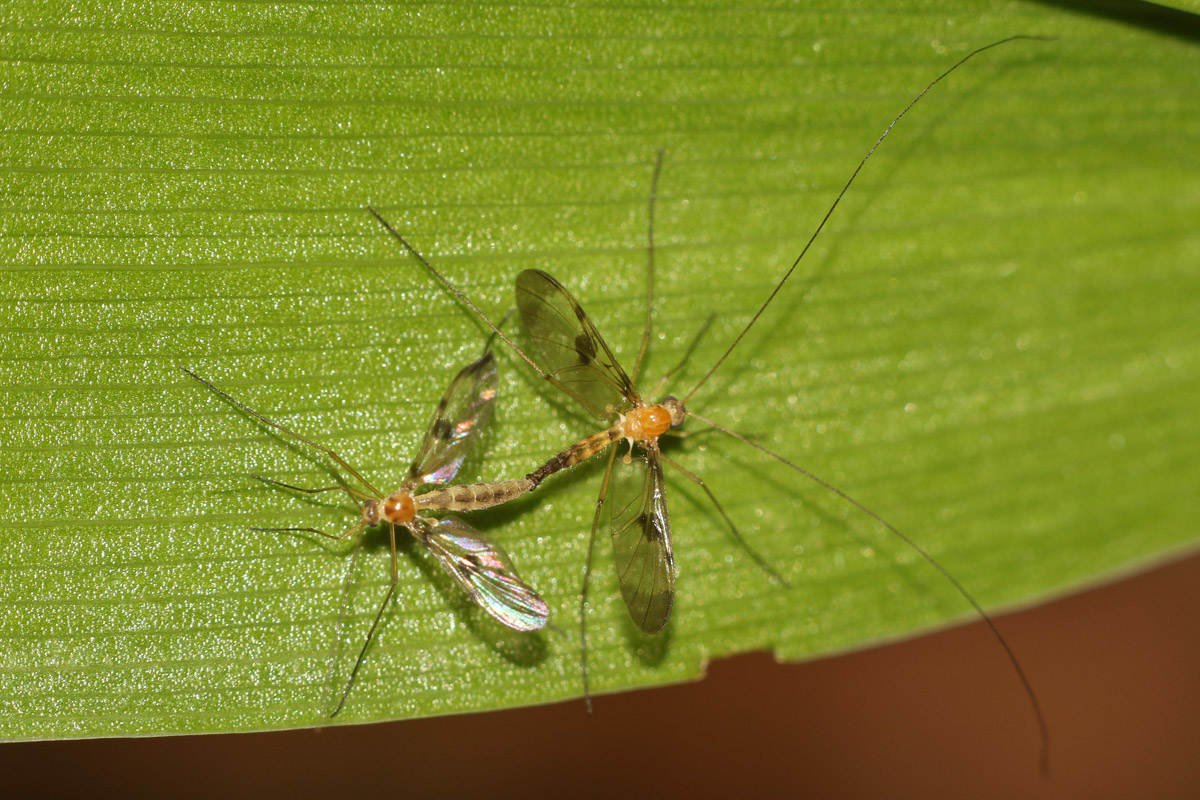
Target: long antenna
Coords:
[[837, 200], [1043, 728]]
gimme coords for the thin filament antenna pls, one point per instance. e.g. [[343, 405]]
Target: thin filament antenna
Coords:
[[1043, 728], [841, 194]]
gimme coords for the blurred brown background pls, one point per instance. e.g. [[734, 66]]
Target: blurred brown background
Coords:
[[1116, 669]]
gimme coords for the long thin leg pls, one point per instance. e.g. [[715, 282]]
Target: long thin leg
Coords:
[[337, 537], [1043, 728], [346, 489], [340, 626], [454, 290], [637, 365], [338, 459], [587, 573], [374, 625], [466, 301], [758, 559]]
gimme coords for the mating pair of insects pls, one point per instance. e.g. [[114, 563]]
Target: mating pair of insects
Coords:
[[569, 352]]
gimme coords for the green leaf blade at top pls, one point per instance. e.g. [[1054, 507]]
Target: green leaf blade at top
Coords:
[[990, 345]]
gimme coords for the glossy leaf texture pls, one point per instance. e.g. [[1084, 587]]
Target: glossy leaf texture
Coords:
[[992, 345]]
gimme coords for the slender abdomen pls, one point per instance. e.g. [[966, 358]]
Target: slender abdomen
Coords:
[[580, 451], [473, 496]]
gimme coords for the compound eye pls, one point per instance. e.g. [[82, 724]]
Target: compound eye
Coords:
[[674, 407]]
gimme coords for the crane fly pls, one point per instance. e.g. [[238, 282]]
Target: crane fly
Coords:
[[570, 354], [477, 564]]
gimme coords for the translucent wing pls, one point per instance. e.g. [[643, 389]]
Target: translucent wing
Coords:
[[641, 534], [463, 412], [484, 571], [571, 348]]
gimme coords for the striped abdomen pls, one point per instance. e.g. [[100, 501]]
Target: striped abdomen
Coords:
[[580, 451], [473, 496]]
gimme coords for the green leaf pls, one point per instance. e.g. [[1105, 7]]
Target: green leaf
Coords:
[[992, 345]]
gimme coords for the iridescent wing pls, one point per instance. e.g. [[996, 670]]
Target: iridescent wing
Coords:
[[572, 350], [483, 570], [463, 412], [641, 534]]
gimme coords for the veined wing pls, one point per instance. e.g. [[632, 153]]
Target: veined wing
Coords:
[[641, 534], [484, 571], [572, 350], [463, 412]]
